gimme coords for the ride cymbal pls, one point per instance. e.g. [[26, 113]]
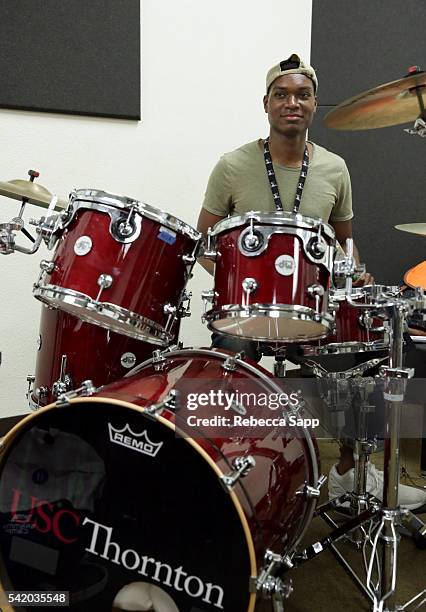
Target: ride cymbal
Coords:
[[389, 104], [33, 192], [413, 228]]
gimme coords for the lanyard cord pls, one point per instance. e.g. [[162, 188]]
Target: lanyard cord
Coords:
[[273, 180]]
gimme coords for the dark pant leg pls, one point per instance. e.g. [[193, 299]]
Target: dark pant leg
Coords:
[[237, 345]]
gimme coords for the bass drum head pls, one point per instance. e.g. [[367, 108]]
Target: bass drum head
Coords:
[[101, 501]]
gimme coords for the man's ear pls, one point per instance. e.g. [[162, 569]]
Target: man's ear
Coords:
[[265, 102]]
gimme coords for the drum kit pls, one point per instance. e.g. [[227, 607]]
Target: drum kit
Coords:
[[105, 486]]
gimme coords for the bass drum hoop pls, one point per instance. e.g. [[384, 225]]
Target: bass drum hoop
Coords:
[[7, 444]]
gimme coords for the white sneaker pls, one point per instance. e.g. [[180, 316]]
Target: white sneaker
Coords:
[[410, 498]]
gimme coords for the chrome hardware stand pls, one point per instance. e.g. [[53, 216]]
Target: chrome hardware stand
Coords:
[[419, 127], [280, 368], [209, 252], [185, 310], [45, 227], [383, 518]]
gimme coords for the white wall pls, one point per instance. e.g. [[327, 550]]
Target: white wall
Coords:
[[203, 70]]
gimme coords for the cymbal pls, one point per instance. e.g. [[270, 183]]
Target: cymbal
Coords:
[[34, 192], [413, 228], [389, 104]]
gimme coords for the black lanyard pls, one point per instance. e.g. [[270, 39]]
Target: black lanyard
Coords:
[[273, 180]]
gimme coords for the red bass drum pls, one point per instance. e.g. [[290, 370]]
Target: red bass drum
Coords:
[[99, 496]]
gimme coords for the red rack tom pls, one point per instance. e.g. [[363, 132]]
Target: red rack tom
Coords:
[[272, 276], [357, 329], [120, 264]]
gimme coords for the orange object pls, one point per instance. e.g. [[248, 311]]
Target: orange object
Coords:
[[416, 277]]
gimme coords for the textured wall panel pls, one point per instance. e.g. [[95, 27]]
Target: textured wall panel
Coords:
[[71, 56], [357, 46]]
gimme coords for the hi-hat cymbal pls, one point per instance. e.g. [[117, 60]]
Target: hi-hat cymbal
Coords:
[[33, 192], [413, 228], [385, 105]]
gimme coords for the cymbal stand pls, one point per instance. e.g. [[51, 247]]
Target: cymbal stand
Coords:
[[341, 390], [419, 127], [364, 446], [44, 227], [395, 378], [395, 381], [383, 518]]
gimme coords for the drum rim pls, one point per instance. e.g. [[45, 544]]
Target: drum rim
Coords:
[[273, 218], [257, 370], [346, 348], [158, 336], [115, 200], [376, 292], [285, 311], [418, 339]]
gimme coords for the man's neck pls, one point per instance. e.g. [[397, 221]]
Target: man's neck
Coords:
[[287, 151]]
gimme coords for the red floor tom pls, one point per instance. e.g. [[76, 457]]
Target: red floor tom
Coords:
[[70, 351]]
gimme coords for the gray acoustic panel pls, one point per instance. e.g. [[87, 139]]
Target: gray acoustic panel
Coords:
[[357, 45], [71, 56], [389, 188]]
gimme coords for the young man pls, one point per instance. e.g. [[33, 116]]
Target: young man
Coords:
[[282, 172], [239, 182]]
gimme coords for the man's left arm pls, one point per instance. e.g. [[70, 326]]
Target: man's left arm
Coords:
[[343, 230]]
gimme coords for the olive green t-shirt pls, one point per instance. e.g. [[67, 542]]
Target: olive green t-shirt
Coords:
[[239, 184]]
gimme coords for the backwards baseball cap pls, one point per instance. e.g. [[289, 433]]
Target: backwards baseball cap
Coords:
[[292, 65]]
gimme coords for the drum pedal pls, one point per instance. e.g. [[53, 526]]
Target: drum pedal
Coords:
[[270, 586]]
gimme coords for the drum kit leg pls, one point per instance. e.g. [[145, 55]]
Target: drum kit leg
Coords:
[[373, 522]]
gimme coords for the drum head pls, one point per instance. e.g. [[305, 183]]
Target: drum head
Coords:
[[101, 501], [290, 325]]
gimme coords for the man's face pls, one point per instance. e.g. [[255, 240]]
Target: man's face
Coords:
[[290, 104]]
